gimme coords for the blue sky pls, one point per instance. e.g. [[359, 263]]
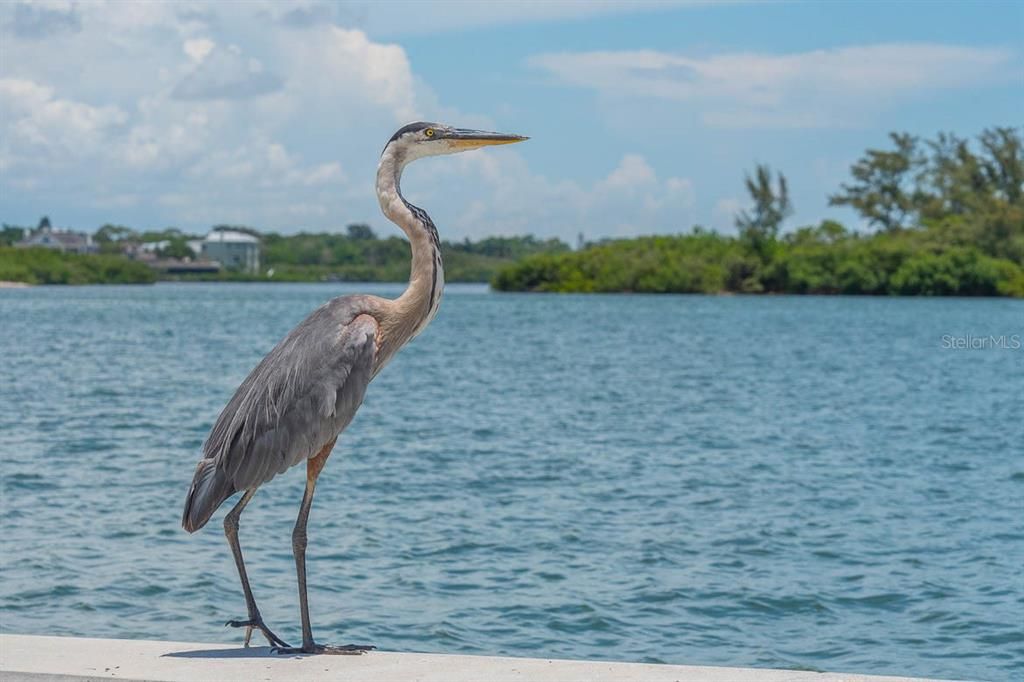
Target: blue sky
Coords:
[[644, 115]]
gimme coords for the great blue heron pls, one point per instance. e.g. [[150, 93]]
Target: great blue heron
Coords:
[[293, 405]]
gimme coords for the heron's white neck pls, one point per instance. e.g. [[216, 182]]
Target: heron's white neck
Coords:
[[419, 303]]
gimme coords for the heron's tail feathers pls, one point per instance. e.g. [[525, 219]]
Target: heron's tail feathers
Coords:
[[210, 487]]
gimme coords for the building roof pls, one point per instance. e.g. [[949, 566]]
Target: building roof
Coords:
[[63, 237], [231, 236]]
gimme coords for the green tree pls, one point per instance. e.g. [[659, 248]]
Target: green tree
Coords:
[[168, 233], [109, 238], [236, 228], [759, 227], [113, 233], [360, 231], [771, 205], [976, 199], [48, 266], [1003, 163], [884, 184], [11, 234], [952, 181], [507, 247], [177, 247]]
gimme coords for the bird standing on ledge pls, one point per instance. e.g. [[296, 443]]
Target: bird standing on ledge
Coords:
[[292, 406]]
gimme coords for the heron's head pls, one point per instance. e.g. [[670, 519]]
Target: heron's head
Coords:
[[420, 139]]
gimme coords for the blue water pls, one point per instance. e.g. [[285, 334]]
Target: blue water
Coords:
[[782, 482]]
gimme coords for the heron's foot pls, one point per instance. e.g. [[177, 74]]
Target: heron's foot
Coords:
[[256, 624], [344, 650]]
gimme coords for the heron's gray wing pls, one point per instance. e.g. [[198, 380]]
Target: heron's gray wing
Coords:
[[303, 393]]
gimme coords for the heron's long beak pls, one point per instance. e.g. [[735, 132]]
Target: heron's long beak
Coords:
[[471, 139]]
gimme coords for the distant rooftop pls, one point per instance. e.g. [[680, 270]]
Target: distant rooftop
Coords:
[[63, 240], [231, 236]]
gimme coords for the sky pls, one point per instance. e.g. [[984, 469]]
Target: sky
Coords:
[[643, 116]]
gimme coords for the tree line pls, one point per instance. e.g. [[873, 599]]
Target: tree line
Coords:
[[946, 214], [45, 266], [945, 217], [357, 254]]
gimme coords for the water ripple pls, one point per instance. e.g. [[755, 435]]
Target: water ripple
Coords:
[[809, 483]]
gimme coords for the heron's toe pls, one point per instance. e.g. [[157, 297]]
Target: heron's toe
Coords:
[[256, 624]]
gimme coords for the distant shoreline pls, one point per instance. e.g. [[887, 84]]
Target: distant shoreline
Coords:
[[532, 293]]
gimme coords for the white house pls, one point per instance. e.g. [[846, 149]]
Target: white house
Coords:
[[233, 249], [59, 240]]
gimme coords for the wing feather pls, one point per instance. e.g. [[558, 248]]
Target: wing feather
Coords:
[[303, 393]]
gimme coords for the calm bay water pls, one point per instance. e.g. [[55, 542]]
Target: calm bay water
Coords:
[[780, 482]]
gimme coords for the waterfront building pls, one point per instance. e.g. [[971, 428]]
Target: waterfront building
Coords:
[[233, 249], [64, 241]]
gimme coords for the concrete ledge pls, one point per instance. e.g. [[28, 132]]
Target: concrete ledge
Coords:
[[53, 659]]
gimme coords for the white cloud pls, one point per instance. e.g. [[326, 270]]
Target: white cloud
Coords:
[[36, 125], [495, 192], [264, 165], [43, 20], [407, 17], [723, 215], [171, 124], [198, 48], [632, 172], [833, 87], [224, 73], [255, 129], [343, 68]]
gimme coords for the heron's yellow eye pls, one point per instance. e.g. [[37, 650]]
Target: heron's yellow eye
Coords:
[[429, 132]]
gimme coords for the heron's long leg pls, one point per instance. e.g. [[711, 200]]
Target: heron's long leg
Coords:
[[313, 468], [255, 619]]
